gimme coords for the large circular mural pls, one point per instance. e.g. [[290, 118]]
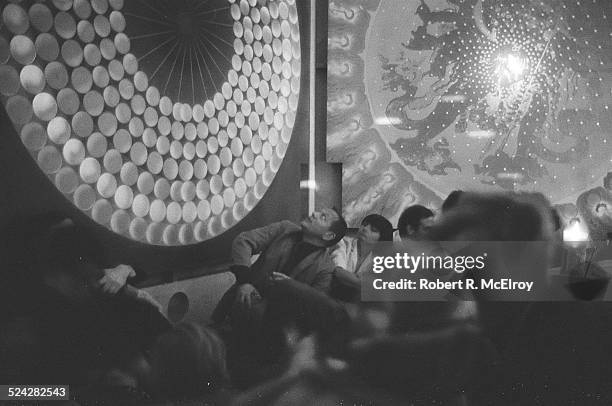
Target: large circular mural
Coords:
[[165, 121], [429, 96]]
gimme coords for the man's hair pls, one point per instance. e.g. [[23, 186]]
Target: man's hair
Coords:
[[412, 216], [381, 224], [451, 200], [338, 227]]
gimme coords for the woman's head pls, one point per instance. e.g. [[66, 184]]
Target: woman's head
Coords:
[[375, 228]]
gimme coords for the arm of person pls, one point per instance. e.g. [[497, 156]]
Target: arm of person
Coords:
[[279, 276], [255, 241], [114, 279], [141, 295], [346, 278], [252, 242], [323, 280]]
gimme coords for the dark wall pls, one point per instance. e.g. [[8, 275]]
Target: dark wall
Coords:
[[27, 191]]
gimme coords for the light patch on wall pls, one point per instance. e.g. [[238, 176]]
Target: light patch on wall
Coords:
[[308, 184]]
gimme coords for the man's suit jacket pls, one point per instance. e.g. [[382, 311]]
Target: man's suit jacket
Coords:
[[274, 244]]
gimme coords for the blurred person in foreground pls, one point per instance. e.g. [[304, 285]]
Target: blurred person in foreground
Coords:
[[68, 313], [513, 231], [551, 352], [386, 362], [184, 364]]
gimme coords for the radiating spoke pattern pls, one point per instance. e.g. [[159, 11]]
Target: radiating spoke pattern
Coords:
[[188, 43], [164, 121]]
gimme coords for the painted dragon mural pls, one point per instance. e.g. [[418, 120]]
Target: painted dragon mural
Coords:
[[470, 94]]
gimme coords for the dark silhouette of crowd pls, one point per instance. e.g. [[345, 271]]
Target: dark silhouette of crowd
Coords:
[[293, 329]]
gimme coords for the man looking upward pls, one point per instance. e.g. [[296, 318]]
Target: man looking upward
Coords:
[[286, 251]]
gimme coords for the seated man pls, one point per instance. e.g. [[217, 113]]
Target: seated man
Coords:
[[286, 251]]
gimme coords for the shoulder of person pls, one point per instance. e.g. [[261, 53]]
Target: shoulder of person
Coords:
[[287, 228], [282, 227], [289, 225], [327, 255], [346, 243]]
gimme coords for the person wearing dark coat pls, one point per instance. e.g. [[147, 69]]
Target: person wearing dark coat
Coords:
[[286, 251], [286, 287]]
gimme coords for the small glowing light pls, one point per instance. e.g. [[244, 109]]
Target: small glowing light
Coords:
[[453, 98], [308, 184], [510, 175], [481, 134], [575, 232], [387, 120]]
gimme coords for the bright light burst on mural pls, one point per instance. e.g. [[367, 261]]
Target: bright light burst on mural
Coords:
[[510, 68]]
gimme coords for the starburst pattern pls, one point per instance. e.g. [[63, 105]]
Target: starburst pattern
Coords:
[[186, 43], [550, 41]]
